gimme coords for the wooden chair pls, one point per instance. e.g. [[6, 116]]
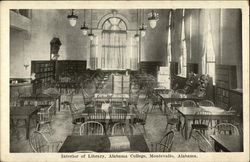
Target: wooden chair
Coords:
[[201, 122], [226, 128], [91, 128], [67, 101], [189, 103], [206, 103], [121, 129], [133, 99], [87, 98], [98, 115], [141, 116], [117, 115], [156, 102], [45, 119], [76, 114], [39, 143], [172, 117], [203, 143], [165, 145]]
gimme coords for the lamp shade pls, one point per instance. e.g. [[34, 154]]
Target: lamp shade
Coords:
[[153, 23], [143, 32], [137, 37], [91, 36], [84, 30], [72, 19]]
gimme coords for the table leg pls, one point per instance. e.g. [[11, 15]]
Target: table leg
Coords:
[[59, 103], [186, 128], [27, 124]]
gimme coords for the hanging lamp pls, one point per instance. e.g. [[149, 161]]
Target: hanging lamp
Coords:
[[72, 18], [137, 36], [91, 35], [153, 17], [84, 27], [143, 26]]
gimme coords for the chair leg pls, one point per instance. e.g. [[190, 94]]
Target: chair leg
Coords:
[[191, 133]]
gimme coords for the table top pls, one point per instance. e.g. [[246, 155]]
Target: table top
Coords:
[[23, 110], [179, 96], [100, 143], [109, 95], [231, 143], [192, 110]]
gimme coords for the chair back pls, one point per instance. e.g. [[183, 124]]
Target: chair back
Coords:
[[38, 142], [91, 128], [189, 103], [226, 128], [121, 129], [45, 114], [118, 115], [203, 143], [206, 103], [165, 144], [87, 99], [142, 115], [96, 114], [203, 118]]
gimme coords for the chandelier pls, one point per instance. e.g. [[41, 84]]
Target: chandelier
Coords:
[[84, 27], [137, 36], [72, 18], [153, 17], [143, 26], [91, 35]]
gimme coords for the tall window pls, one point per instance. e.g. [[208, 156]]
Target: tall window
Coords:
[[183, 56], [208, 58], [169, 51], [114, 44]]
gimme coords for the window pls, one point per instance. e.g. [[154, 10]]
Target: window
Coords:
[[169, 51], [183, 56], [208, 59], [114, 45]]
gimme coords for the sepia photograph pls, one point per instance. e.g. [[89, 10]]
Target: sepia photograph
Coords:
[[93, 83]]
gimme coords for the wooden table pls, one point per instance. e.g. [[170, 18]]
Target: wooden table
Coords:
[[216, 114], [99, 143], [23, 113], [42, 100], [228, 143], [178, 97]]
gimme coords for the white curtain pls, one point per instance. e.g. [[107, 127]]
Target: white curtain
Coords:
[[208, 54], [114, 49]]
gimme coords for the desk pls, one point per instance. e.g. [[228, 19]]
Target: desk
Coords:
[[43, 99], [228, 143], [24, 113], [99, 143], [178, 97], [217, 114]]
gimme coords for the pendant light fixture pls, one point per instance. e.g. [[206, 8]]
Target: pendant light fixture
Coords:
[[143, 26], [72, 18], [153, 17], [91, 35], [137, 36], [84, 27]]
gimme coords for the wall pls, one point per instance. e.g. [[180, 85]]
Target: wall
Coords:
[[226, 36], [46, 24]]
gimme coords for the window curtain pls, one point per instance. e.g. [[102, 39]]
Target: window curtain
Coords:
[[208, 54], [169, 52], [114, 48], [183, 56]]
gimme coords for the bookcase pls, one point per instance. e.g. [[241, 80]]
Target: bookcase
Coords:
[[150, 67], [121, 84], [225, 79], [45, 74], [72, 68]]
